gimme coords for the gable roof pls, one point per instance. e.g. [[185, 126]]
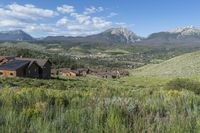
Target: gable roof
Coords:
[[14, 65], [33, 62], [40, 62]]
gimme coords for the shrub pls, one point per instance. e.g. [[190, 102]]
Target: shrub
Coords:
[[58, 100], [180, 84], [173, 93], [34, 111], [30, 112], [20, 99]]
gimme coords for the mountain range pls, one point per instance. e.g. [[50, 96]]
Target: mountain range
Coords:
[[111, 36], [184, 35], [15, 35]]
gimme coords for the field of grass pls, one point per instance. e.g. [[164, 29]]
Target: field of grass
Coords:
[[24, 45], [116, 52], [91, 105], [154, 98]]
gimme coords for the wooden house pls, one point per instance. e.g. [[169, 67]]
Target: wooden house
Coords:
[[25, 67], [54, 72], [33, 70], [106, 75], [82, 71], [68, 73], [19, 69], [44, 64], [5, 59]]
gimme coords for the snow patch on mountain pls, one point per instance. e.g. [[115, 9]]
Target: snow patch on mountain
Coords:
[[186, 31]]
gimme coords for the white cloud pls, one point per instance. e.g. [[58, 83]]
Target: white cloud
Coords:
[[25, 17], [66, 9], [39, 27], [83, 23], [81, 18], [100, 23], [26, 12], [10, 23], [15, 16], [93, 9], [112, 14], [64, 20]]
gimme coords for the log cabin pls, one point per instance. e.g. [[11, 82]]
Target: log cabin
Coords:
[[45, 66], [25, 67]]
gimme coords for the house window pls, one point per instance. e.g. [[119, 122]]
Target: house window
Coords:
[[1, 73], [11, 74]]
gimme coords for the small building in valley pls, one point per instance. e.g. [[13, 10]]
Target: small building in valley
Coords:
[[25, 67], [68, 72]]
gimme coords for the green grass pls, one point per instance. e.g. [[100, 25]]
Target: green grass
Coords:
[[24, 45], [116, 51], [91, 104], [152, 99], [187, 65]]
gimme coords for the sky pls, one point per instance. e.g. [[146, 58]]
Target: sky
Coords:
[[84, 17]]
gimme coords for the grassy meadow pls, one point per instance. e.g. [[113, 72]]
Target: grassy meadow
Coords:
[[95, 105], [162, 96], [186, 65]]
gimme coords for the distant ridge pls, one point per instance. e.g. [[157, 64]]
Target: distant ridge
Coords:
[[189, 35], [184, 35], [15, 35], [113, 36]]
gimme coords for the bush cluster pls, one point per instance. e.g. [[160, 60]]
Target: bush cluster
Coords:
[[187, 84]]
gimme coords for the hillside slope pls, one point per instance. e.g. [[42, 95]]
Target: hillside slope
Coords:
[[182, 66]]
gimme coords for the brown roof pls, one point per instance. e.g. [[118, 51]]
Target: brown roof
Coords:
[[33, 62], [14, 65], [6, 57], [40, 62]]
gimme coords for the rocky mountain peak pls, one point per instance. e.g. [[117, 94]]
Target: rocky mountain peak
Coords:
[[123, 34], [188, 30], [120, 31], [15, 35]]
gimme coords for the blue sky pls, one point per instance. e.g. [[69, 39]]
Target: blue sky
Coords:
[[84, 17]]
